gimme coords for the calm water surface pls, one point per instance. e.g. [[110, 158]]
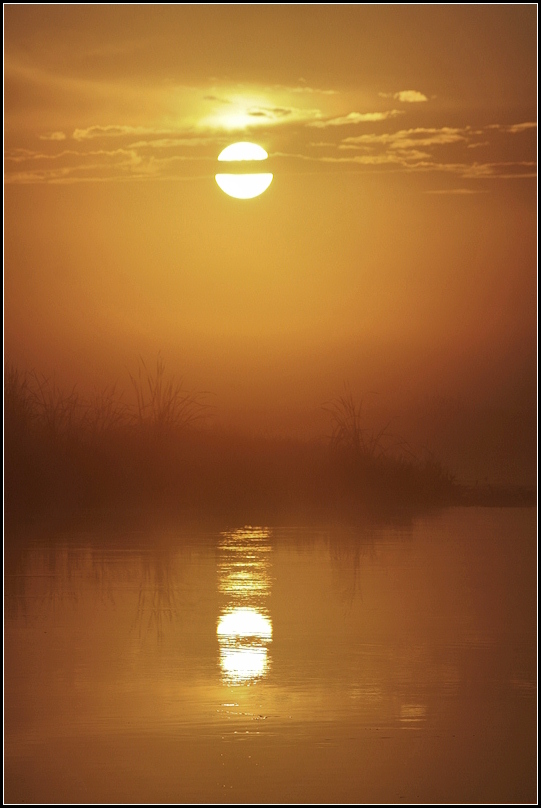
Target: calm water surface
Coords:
[[269, 664]]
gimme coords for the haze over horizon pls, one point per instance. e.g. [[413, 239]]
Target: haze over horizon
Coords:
[[396, 249]]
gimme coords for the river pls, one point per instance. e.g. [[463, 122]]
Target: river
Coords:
[[383, 663]]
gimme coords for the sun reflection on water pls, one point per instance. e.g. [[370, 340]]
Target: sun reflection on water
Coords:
[[244, 627]]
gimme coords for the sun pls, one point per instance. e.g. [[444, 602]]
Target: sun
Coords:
[[243, 185]]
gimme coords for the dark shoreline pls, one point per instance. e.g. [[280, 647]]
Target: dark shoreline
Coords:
[[138, 513], [68, 458]]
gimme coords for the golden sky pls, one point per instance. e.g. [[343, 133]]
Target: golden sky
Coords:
[[395, 249]]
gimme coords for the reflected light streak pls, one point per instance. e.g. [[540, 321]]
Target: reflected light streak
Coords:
[[244, 627], [244, 623], [411, 715], [243, 664]]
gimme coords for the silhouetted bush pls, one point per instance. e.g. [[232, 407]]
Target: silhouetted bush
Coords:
[[63, 451]]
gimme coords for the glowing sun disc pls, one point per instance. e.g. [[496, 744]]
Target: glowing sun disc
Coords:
[[243, 186], [242, 151]]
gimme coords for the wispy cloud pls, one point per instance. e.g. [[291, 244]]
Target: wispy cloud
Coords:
[[53, 136], [355, 118], [303, 87], [20, 155], [216, 98], [271, 113], [502, 170], [189, 148], [100, 166], [115, 130], [427, 149], [406, 96], [240, 114], [458, 191], [406, 139], [414, 161], [171, 143], [513, 128]]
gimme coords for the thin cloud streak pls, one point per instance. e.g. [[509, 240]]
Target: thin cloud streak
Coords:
[[514, 128], [406, 96], [407, 138], [54, 136], [303, 88], [116, 130], [357, 117], [142, 151], [457, 192], [420, 162]]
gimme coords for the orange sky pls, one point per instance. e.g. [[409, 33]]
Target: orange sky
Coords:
[[395, 249]]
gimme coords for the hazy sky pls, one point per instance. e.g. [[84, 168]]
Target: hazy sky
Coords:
[[395, 249]]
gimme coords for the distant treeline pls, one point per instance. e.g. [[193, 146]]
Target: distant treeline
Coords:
[[67, 453]]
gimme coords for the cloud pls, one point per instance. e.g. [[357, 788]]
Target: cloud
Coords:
[[161, 150], [302, 87], [521, 127], [513, 128], [241, 115], [21, 155], [116, 131], [502, 170], [24, 155], [270, 112], [216, 98], [171, 142], [53, 136], [458, 191], [410, 96], [36, 176], [406, 139], [356, 117], [370, 159], [414, 151], [134, 162], [406, 96], [355, 159]]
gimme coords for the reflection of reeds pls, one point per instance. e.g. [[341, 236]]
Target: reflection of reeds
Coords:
[[48, 572], [157, 596]]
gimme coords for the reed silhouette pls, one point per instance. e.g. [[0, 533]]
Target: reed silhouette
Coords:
[[163, 406], [65, 452]]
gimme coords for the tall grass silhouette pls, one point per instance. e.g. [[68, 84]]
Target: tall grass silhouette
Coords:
[[378, 465], [350, 434], [18, 406], [163, 406], [68, 451]]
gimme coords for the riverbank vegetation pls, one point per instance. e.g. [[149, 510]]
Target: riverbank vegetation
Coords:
[[64, 452]]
